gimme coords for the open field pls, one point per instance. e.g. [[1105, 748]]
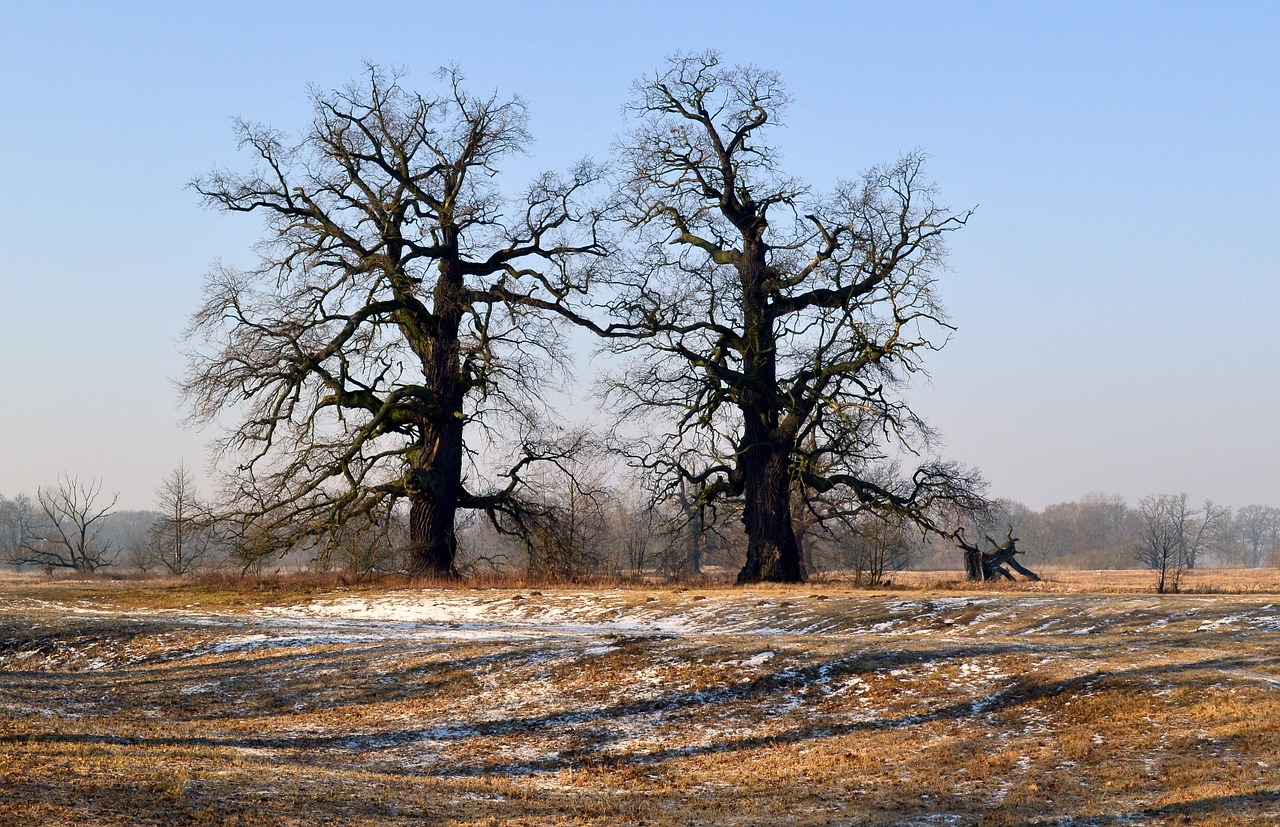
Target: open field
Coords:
[[1045, 704]]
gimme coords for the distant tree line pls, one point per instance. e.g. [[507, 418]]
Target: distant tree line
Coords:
[[584, 527], [1167, 533], [588, 526]]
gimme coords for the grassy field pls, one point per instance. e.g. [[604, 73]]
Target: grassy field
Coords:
[[1080, 701]]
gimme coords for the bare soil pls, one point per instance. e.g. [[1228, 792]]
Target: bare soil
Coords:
[[1048, 705]]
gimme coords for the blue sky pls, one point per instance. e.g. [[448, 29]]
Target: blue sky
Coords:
[[1115, 294]]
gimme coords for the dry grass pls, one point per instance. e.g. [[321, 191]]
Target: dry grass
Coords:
[[301, 703], [1109, 581]]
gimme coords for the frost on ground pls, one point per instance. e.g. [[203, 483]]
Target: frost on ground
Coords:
[[629, 707]]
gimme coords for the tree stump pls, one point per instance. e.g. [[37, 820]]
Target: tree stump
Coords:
[[981, 566]]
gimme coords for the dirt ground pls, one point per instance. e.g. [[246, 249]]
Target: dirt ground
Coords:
[[1043, 705]]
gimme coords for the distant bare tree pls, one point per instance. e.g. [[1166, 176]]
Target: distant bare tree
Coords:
[[365, 545], [1204, 530], [665, 532], [696, 531], [182, 535], [251, 537], [851, 535], [71, 516], [563, 536], [142, 549], [1095, 531], [483, 548], [1174, 535], [18, 519], [1257, 534], [878, 546], [638, 534]]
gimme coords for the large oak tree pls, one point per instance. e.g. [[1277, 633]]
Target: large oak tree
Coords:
[[393, 317], [778, 324]]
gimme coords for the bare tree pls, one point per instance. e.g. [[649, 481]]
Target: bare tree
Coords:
[[1257, 534], [1202, 530], [182, 535], [777, 323], [66, 531], [635, 528], [641, 532], [696, 533], [1096, 531], [396, 316], [1161, 546], [873, 547], [18, 518], [1173, 536], [251, 540], [364, 545], [664, 532], [143, 550], [564, 536]]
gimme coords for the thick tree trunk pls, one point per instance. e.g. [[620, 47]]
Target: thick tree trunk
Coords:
[[435, 482], [773, 555], [433, 504], [764, 461], [973, 565], [432, 542]]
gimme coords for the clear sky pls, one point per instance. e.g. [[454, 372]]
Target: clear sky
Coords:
[[1116, 293]]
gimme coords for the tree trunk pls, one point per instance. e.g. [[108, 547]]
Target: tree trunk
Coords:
[[693, 548], [988, 565], [804, 540], [773, 555], [764, 460], [432, 542], [433, 504], [696, 540], [434, 484], [973, 565]]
